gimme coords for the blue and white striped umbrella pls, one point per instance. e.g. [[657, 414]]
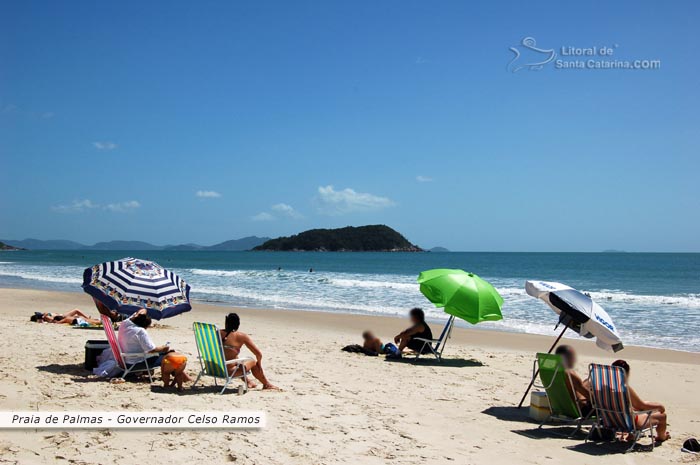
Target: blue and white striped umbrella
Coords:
[[129, 284]]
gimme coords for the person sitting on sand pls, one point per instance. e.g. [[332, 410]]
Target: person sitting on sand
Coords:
[[173, 364], [372, 343], [68, 318], [418, 329], [233, 341], [658, 417], [579, 389], [133, 338]]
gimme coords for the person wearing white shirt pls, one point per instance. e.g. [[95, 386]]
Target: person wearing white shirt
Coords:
[[134, 339]]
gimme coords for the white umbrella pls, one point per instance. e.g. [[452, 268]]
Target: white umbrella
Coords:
[[577, 311]]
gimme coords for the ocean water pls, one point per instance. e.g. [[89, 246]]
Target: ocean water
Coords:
[[654, 299]]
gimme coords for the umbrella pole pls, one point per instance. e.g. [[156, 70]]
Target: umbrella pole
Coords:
[[532, 381]]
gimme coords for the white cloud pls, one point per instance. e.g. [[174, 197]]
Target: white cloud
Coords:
[[105, 145], [78, 206], [75, 207], [208, 194], [424, 179], [286, 210], [123, 206], [263, 216], [333, 202]]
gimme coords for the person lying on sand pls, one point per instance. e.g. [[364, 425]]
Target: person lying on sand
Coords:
[[233, 341], [69, 318], [658, 417], [133, 338], [579, 389], [419, 329]]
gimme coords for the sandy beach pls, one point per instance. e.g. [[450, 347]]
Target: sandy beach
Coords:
[[336, 408]]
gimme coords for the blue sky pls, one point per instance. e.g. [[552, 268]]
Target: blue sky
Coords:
[[177, 122]]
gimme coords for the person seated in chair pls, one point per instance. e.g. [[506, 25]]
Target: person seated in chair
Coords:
[[579, 389], [133, 338], [418, 329], [658, 415], [234, 341]]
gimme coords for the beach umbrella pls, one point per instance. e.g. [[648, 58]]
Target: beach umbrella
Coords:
[[578, 312], [129, 284], [461, 294]]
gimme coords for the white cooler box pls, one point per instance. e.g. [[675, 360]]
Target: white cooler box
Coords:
[[539, 406]]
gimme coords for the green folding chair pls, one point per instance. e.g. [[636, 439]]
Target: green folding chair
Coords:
[[563, 404], [212, 359]]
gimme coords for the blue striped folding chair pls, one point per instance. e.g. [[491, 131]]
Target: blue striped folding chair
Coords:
[[212, 359], [611, 399], [436, 346]]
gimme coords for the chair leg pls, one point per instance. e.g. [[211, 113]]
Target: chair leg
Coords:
[[197, 380], [418, 352], [245, 379], [228, 380], [595, 427], [579, 427], [634, 443]]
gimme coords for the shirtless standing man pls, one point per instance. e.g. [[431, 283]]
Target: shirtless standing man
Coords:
[[233, 341]]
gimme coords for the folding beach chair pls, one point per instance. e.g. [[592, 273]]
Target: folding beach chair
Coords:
[[212, 359], [139, 361], [613, 404], [563, 404], [436, 346]]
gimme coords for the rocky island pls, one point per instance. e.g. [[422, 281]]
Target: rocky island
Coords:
[[4, 246], [372, 238]]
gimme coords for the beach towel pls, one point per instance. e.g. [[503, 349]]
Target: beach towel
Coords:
[[357, 348]]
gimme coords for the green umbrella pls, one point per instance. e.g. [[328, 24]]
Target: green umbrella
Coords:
[[462, 294]]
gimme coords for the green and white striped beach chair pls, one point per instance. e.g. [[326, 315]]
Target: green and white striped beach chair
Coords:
[[613, 404], [212, 359]]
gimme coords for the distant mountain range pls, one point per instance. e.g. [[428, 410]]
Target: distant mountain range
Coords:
[[245, 243]]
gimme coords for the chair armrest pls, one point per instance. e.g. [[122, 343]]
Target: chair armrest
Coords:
[[237, 361], [135, 354], [432, 341]]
